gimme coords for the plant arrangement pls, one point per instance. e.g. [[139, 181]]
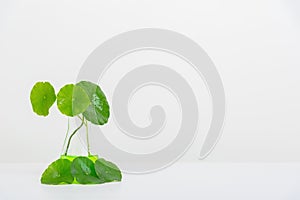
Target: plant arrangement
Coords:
[[86, 101]]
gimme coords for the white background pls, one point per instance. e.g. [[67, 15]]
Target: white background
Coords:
[[254, 44]]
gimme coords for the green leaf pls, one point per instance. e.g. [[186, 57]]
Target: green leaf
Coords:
[[83, 169], [58, 172], [72, 100], [98, 111], [107, 171], [42, 97]]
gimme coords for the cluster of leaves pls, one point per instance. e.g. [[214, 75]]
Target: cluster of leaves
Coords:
[[81, 170], [84, 98]]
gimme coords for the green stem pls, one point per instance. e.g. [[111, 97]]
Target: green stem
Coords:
[[65, 140], [87, 137], [74, 132]]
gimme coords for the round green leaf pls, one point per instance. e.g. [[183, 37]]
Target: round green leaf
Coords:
[[107, 171], [58, 172], [98, 111], [72, 100], [83, 169], [42, 97]]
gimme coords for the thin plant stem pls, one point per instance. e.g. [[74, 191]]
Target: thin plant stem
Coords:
[[80, 117], [74, 132], [67, 133], [87, 137]]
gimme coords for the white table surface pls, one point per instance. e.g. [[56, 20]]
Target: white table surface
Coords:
[[201, 180]]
